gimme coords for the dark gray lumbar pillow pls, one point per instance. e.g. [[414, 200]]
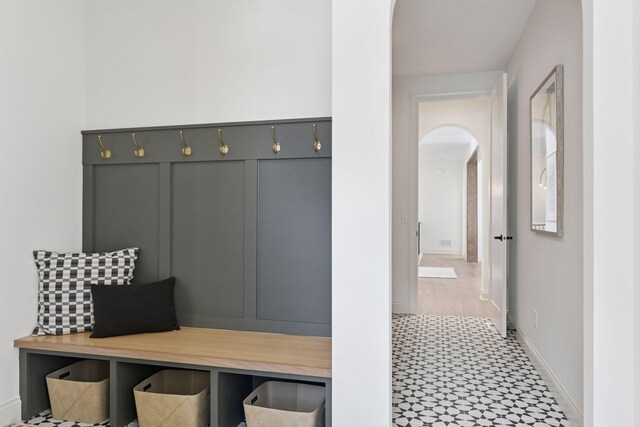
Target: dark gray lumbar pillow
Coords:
[[65, 279], [135, 309]]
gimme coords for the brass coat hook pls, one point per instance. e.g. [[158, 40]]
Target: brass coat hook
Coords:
[[105, 153], [139, 151], [224, 148], [186, 150], [317, 146], [276, 145]]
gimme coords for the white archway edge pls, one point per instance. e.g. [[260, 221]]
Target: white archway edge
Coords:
[[446, 125], [361, 199], [612, 215], [361, 220]]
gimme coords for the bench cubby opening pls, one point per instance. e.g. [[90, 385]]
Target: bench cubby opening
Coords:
[[234, 386], [125, 377], [34, 367]]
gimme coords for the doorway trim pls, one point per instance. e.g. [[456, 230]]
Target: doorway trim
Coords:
[[414, 145], [472, 164]]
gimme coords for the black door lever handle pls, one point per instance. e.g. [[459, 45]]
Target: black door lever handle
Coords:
[[501, 237]]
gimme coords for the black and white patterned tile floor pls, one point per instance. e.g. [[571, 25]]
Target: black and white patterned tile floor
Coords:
[[45, 419], [457, 372]]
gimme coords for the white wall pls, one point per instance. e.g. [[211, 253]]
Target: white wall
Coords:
[[545, 273], [613, 216], [41, 114], [160, 62], [440, 203], [482, 232], [361, 201], [636, 198]]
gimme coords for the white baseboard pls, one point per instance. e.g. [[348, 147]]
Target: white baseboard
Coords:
[[10, 411], [443, 252], [400, 308], [565, 401]]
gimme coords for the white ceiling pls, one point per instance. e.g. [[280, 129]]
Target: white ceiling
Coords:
[[456, 36], [447, 143]]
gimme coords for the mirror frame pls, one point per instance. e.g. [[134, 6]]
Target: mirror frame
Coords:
[[558, 73]]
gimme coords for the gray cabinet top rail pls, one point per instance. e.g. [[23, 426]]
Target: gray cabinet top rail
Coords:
[[261, 140]]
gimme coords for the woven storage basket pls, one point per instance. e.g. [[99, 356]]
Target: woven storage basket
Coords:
[[284, 404], [80, 392], [173, 398]]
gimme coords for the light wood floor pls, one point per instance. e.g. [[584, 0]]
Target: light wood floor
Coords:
[[455, 297]]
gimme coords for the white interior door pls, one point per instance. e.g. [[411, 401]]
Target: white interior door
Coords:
[[499, 238]]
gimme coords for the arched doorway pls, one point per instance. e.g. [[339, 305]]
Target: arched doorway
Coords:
[[448, 190], [452, 77], [450, 200]]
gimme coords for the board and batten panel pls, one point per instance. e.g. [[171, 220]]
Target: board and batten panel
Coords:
[[294, 240], [126, 214], [207, 240]]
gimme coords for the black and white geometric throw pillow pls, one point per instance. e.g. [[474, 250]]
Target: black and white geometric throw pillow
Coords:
[[64, 297]]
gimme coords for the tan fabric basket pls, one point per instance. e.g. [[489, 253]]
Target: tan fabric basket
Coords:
[[80, 392], [173, 398], [283, 404]]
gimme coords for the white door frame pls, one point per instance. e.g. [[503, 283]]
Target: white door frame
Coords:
[[414, 146], [499, 253]]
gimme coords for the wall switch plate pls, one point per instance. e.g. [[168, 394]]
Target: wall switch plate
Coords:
[[535, 314], [404, 218]]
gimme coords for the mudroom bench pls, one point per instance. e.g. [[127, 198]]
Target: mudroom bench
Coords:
[[238, 361]]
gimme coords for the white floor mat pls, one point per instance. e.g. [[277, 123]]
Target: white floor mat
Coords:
[[437, 272]]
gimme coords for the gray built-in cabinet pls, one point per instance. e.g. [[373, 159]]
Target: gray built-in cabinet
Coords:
[[247, 234]]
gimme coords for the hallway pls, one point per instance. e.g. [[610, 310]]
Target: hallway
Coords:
[[453, 297], [455, 371]]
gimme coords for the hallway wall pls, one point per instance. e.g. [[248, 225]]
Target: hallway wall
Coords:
[[440, 203], [545, 272]]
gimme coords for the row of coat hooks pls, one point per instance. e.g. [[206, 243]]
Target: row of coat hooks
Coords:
[[186, 149]]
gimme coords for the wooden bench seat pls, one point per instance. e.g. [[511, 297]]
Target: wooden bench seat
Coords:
[[255, 351]]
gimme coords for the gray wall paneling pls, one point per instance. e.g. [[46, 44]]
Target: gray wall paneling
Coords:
[[208, 239], [250, 239], [211, 220], [294, 241], [126, 214]]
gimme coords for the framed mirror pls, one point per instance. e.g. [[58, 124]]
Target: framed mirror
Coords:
[[547, 155]]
